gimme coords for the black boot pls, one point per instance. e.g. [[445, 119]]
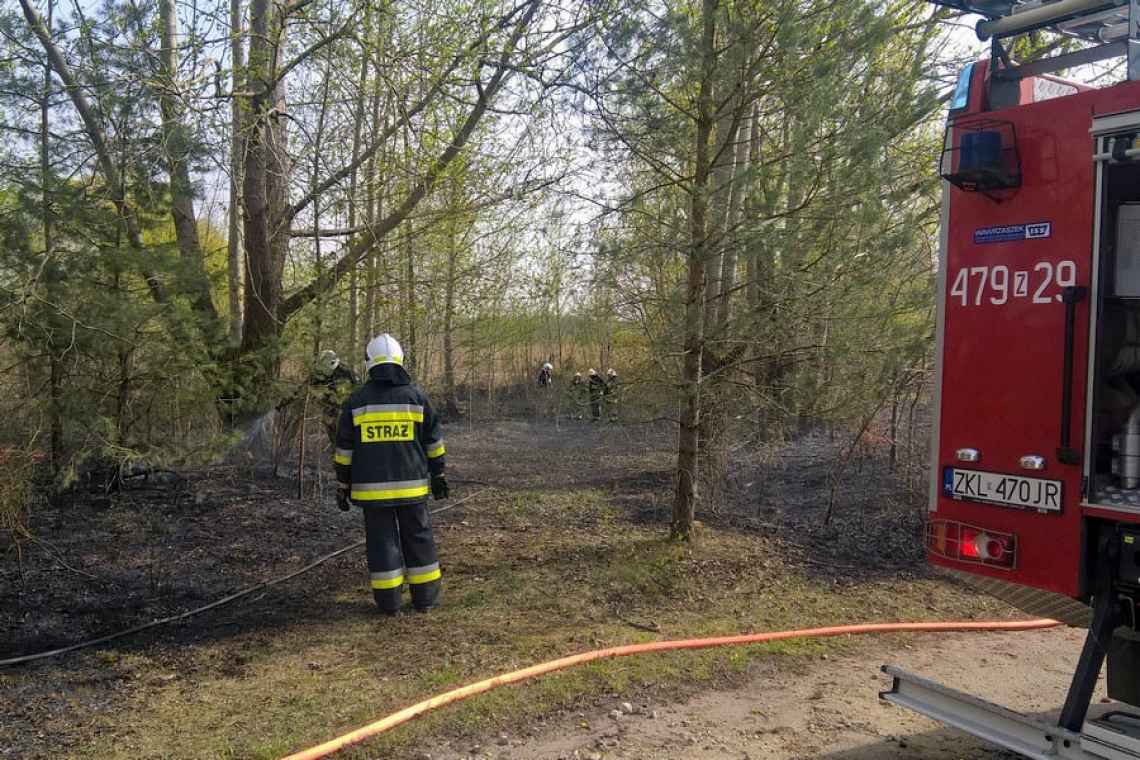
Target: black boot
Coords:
[[387, 600], [425, 596]]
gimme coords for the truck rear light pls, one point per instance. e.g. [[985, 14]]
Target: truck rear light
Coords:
[[969, 543], [996, 550]]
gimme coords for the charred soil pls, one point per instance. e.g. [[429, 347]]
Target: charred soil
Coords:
[[562, 549]]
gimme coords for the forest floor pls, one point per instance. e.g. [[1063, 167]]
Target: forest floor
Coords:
[[561, 548]]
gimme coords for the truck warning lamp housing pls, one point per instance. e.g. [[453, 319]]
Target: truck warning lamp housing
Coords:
[[968, 543], [981, 156]]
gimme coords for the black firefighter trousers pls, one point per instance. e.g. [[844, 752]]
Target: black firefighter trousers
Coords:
[[401, 549]]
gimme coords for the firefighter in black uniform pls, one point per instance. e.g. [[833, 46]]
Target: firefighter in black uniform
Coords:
[[547, 403], [578, 395], [546, 375], [389, 457], [612, 393], [597, 392]]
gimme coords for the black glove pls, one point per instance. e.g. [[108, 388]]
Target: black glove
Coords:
[[342, 499], [439, 489]]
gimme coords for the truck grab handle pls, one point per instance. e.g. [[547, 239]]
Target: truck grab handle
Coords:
[[1071, 295]]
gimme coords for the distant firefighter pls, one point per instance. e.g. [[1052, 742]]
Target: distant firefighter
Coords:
[[597, 394], [546, 375], [612, 394], [334, 381], [579, 396], [389, 457]]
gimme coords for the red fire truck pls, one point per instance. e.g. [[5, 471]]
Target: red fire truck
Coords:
[[1035, 490]]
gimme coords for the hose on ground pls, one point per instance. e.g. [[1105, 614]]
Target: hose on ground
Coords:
[[212, 605], [465, 692]]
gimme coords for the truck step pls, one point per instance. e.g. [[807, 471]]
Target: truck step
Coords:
[[1114, 734], [1008, 729]]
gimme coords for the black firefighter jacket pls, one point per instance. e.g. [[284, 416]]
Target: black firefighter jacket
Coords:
[[388, 441]]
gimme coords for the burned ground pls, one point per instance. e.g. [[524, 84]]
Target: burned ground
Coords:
[[560, 549]]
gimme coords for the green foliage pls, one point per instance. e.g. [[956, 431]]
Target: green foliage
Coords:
[[82, 313], [819, 248], [836, 199]]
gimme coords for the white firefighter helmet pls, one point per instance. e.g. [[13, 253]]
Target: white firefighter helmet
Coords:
[[384, 349], [548, 366], [578, 375], [611, 372], [327, 360], [592, 372]]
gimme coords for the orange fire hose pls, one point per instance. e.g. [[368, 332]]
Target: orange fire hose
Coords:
[[463, 692]]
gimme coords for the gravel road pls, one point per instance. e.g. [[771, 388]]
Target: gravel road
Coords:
[[829, 709]]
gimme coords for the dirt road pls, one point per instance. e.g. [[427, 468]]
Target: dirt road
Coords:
[[829, 710]]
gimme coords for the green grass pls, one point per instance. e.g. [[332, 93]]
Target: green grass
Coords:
[[529, 577]]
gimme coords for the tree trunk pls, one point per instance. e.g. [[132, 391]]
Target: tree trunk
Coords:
[[58, 456], [684, 505], [176, 142], [815, 396], [450, 402], [122, 401], [55, 368], [358, 123], [910, 422], [410, 306], [353, 315], [726, 128], [233, 241], [277, 186], [262, 292], [318, 144], [785, 261], [893, 453], [731, 240], [752, 287], [375, 210], [265, 191], [756, 271]]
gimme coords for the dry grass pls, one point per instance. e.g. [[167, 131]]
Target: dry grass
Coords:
[[558, 559], [530, 576], [17, 474]]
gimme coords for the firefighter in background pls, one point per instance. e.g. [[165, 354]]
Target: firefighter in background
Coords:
[[579, 395], [546, 375], [333, 382], [389, 457], [547, 402], [612, 394], [597, 394]]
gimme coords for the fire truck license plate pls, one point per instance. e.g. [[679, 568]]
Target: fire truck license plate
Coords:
[[998, 488]]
